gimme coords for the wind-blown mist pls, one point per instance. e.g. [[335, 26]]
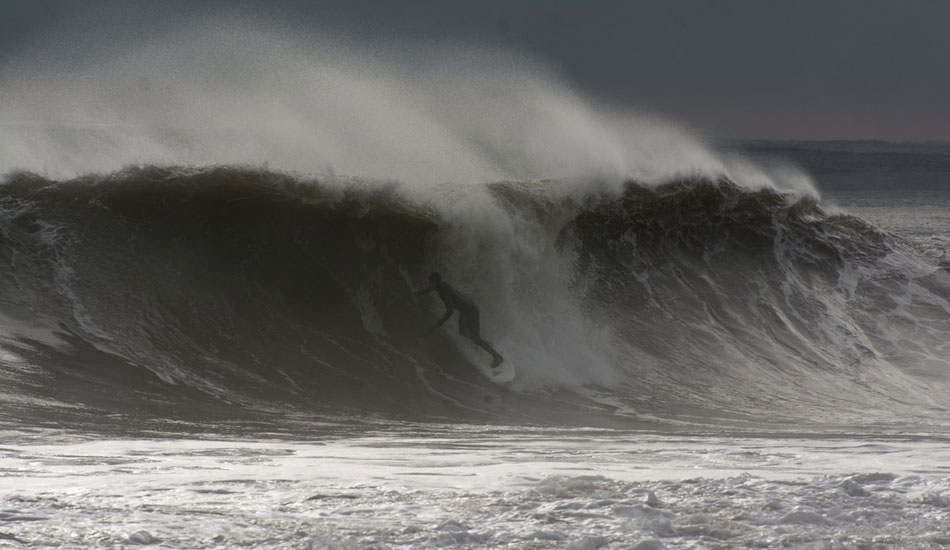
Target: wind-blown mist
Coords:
[[230, 93]]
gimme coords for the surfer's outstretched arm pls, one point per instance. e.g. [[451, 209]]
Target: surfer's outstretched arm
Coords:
[[425, 290]]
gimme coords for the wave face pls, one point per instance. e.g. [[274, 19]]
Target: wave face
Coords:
[[174, 291]]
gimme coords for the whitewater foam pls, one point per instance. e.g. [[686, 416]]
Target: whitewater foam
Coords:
[[457, 487]]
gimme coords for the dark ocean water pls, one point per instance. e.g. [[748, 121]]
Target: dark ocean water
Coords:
[[868, 173], [209, 294]]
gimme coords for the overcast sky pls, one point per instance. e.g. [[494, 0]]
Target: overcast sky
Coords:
[[729, 68]]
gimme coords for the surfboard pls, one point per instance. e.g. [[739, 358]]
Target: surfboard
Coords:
[[503, 374]]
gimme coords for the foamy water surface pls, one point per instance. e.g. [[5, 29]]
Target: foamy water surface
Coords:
[[477, 487]]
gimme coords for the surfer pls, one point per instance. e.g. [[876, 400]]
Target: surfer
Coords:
[[468, 314]]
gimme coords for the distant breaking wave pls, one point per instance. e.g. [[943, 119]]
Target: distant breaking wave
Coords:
[[171, 291]]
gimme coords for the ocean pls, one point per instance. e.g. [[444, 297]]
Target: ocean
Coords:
[[231, 355]]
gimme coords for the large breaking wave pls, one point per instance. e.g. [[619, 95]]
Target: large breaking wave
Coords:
[[657, 278], [164, 290]]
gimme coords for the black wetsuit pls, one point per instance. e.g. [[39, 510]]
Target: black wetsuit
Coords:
[[468, 316]]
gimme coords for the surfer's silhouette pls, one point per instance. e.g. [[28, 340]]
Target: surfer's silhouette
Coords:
[[468, 314]]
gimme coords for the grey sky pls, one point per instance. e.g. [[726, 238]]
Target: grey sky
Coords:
[[751, 68]]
